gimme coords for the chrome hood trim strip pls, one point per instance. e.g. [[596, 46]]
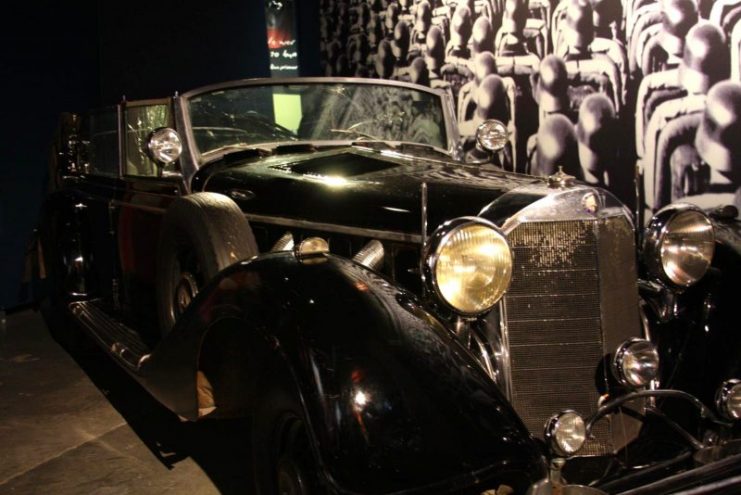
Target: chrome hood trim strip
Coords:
[[580, 202]]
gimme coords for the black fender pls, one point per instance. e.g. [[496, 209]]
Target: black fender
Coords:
[[392, 401]]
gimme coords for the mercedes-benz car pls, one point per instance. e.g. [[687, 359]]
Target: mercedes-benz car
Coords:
[[316, 255]]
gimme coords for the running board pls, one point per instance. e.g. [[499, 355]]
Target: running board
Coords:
[[121, 341]]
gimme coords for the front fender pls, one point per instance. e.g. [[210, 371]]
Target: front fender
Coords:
[[392, 400]]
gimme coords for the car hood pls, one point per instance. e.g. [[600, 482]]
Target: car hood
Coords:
[[363, 187]]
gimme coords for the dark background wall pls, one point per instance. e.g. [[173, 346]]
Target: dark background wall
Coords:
[[48, 63], [151, 49], [71, 56]]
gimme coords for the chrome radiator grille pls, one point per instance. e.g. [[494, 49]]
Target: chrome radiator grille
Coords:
[[572, 301]]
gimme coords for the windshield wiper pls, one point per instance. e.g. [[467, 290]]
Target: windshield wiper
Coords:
[[276, 129], [238, 152], [402, 147], [427, 147], [235, 152], [299, 147], [355, 132]]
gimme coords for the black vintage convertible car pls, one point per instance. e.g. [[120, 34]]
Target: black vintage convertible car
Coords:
[[315, 255]]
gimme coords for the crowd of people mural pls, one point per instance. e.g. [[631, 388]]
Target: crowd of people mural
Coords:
[[639, 96]]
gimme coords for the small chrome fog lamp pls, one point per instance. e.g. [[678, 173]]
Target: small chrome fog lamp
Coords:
[[565, 433], [728, 399], [492, 135], [164, 146], [679, 244], [636, 363]]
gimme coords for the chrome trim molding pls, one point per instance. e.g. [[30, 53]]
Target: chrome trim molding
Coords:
[[562, 205], [423, 193], [506, 361], [279, 81], [110, 334], [335, 228]]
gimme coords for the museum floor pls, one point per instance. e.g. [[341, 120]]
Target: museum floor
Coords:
[[81, 425]]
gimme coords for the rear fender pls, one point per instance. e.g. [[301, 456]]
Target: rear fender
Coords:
[[382, 383]]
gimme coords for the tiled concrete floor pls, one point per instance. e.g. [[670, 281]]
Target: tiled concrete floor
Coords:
[[81, 425]]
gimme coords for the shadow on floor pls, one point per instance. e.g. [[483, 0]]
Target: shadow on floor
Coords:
[[219, 447]]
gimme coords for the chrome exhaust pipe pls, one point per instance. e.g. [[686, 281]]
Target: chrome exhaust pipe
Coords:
[[285, 243], [371, 255]]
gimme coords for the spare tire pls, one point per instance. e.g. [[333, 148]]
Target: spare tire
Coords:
[[201, 234]]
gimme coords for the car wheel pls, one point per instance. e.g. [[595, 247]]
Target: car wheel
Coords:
[[283, 460], [201, 234], [294, 471]]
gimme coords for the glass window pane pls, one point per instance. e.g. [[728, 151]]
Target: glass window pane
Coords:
[[102, 142], [140, 122], [252, 115]]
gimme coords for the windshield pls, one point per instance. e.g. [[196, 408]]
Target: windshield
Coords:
[[252, 115]]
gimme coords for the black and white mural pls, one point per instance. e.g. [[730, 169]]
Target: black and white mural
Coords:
[[639, 96]]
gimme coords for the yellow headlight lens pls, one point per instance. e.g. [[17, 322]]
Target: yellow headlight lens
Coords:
[[473, 268]]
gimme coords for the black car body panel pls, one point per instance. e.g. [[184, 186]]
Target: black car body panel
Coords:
[[377, 191], [379, 376]]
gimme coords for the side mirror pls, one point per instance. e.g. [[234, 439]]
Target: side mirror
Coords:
[[164, 146], [492, 135]]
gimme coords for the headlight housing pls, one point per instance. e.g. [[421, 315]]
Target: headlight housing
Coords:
[[565, 433], [468, 265], [636, 363], [728, 399], [679, 245], [164, 146], [492, 135]]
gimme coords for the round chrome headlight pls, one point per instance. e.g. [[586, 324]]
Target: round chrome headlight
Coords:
[[636, 363], [565, 433], [492, 135], [728, 399], [679, 244], [468, 265], [164, 145]]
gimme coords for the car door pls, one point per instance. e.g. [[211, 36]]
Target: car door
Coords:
[[147, 191], [95, 185]]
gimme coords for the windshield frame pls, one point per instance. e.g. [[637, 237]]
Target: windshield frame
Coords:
[[446, 104]]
